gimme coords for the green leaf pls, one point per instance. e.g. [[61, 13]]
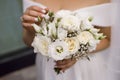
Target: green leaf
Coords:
[[51, 14], [39, 19], [57, 70]]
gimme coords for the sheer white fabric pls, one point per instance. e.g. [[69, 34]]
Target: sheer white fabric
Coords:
[[83, 69], [114, 58]]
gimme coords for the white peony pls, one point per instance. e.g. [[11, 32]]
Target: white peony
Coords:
[[73, 44], [70, 23], [58, 50], [84, 37], [40, 44]]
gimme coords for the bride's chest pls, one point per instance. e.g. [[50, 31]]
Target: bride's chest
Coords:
[[56, 5]]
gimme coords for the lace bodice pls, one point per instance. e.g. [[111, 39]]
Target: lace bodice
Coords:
[[101, 13]]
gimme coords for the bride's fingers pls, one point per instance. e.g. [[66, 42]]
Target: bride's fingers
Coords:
[[38, 9], [62, 62], [66, 66], [30, 19], [26, 25], [34, 13]]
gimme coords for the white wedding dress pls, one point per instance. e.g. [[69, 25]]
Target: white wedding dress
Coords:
[[95, 69]]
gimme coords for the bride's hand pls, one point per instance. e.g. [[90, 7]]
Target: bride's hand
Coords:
[[30, 16], [65, 64]]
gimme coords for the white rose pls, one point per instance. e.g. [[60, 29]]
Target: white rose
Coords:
[[73, 44], [70, 23], [58, 50], [84, 37], [40, 44]]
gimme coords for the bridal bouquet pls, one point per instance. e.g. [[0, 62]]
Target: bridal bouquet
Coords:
[[65, 35]]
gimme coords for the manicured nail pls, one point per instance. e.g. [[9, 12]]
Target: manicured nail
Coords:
[[36, 19], [43, 11], [43, 15]]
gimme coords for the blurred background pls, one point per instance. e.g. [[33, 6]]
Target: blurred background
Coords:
[[16, 60]]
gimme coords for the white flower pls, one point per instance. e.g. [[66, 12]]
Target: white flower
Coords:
[[93, 44], [62, 13], [46, 17], [52, 29], [58, 50], [94, 30], [70, 23], [99, 36], [86, 24], [62, 33], [85, 18], [84, 37], [73, 44], [40, 44], [83, 15], [36, 27], [44, 27]]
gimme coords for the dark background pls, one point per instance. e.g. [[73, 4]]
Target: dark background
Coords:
[[14, 54]]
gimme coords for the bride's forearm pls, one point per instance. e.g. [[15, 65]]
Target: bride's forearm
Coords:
[[28, 37], [105, 43]]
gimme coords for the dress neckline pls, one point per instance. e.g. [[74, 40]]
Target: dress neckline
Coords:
[[79, 9], [101, 12]]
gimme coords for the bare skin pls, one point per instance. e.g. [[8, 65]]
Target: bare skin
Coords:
[[32, 12]]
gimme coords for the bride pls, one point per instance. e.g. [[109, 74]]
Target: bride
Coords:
[[72, 70]]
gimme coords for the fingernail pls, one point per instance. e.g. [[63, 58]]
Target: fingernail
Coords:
[[43, 11], [43, 15], [36, 19]]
